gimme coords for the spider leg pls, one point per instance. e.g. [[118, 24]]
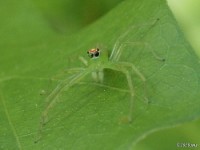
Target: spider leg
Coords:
[[95, 76], [83, 60], [65, 84], [72, 70], [122, 68], [53, 97], [139, 74], [101, 75], [67, 72], [105, 86], [130, 84], [98, 76], [117, 44], [60, 77], [132, 94], [118, 53]]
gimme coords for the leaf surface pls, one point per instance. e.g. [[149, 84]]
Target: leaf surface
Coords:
[[88, 115]]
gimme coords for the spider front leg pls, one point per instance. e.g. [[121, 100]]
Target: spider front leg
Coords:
[[117, 55], [119, 40], [97, 75], [83, 60]]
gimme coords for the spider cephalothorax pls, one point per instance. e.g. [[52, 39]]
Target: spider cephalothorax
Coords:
[[93, 53]]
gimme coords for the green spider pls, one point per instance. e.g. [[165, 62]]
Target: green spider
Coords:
[[98, 61]]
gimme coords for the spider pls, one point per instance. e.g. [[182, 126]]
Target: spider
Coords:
[[97, 62]]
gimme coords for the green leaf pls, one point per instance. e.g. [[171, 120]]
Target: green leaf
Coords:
[[185, 136], [88, 115], [187, 15]]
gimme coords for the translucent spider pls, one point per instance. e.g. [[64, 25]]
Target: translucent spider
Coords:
[[97, 62]]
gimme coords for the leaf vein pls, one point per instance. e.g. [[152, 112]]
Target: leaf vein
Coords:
[[10, 121]]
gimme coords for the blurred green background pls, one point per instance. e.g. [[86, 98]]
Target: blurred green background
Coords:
[[187, 13], [67, 16]]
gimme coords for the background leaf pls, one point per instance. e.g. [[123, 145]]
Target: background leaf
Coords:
[[187, 14], [89, 116]]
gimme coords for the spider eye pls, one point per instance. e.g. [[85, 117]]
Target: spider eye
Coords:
[[96, 54], [91, 55]]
